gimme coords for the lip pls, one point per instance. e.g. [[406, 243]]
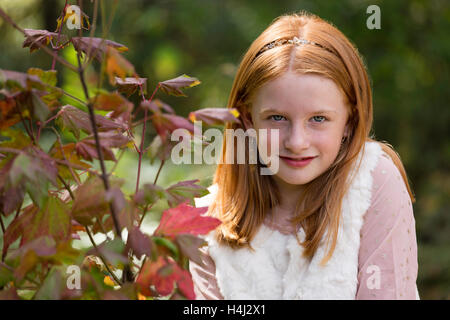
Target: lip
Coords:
[[297, 162]]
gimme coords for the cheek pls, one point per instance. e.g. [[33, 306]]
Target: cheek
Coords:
[[328, 143]]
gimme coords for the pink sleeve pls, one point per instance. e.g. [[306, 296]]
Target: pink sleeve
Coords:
[[204, 278], [388, 252]]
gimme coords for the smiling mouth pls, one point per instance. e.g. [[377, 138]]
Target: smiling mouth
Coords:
[[297, 162]]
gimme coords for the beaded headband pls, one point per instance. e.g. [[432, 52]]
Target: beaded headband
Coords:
[[296, 41]]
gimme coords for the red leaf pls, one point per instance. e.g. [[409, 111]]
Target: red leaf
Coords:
[[139, 242], [75, 119], [167, 123], [185, 284], [129, 85], [162, 274], [156, 106], [86, 148], [173, 86], [96, 47], [33, 37], [185, 219]]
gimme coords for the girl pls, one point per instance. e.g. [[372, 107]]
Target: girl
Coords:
[[335, 220]]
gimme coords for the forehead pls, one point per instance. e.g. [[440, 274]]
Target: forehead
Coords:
[[299, 92]]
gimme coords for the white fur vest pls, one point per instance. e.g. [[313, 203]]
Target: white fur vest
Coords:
[[276, 269]]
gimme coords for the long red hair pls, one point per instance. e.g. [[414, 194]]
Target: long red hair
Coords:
[[244, 196]]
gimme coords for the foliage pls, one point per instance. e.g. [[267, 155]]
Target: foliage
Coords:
[[50, 197]]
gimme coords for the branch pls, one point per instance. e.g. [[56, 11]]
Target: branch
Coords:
[[41, 46], [104, 175]]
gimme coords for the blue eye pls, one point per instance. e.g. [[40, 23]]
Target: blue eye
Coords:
[[276, 117], [321, 118]]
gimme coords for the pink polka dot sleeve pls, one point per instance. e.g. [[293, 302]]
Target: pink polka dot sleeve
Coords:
[[388, 251]]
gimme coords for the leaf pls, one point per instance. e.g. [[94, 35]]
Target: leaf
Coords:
[[156, 106], [10, 197], [40, 109], [49, 78], [8, 113], [149, 194], [173, 86], [111, 102], [159, 149], [52, 287], [6, 276], [74, 119], [139, 242], [86, 148], [215, 116], [185, 219], [189, 246], [33, 170], [67, 152], [185, 284], [14, 81], [129, 85], [146, 277], [96, 47], [117, 66], [162, 274], [167, 123], [184, 190], [52, 220], [9, 294], [113, 251], [166, 246], [43, 37], [90, 202]]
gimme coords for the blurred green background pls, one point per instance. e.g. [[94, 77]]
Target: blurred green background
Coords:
[[408, 63]]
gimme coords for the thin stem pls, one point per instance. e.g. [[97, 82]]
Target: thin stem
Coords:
[[102, 258], [67, 187], [3, 226], [154, 182], [144, 127], [55, 50]]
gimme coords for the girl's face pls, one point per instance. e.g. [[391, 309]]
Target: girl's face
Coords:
[[310, 113]]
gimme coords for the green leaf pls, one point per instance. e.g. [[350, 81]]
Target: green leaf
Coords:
[[52, 287], [164, 242]]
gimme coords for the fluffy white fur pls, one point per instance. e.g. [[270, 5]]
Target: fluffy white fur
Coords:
[[277, 270]]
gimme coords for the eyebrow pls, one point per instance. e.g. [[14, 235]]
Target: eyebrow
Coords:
[[269, 109]]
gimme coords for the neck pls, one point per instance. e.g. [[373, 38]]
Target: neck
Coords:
[[289, 195]]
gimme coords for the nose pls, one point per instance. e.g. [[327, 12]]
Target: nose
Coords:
[[297, 140]]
